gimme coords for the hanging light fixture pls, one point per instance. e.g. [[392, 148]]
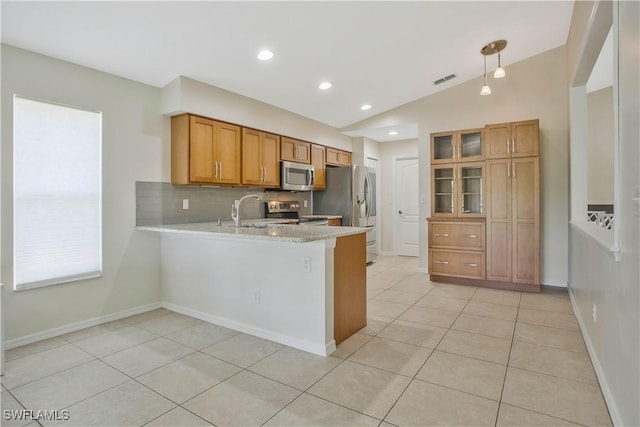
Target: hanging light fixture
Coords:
[[499, 73], [490, 49], [486, 90]]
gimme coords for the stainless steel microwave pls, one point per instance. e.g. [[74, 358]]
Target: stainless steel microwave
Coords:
[[297, 176]]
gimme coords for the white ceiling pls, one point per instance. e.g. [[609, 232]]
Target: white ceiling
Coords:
[[381, 53]]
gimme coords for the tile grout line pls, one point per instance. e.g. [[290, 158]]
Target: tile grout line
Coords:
[[427, 359], [506, 370], [306, 391]]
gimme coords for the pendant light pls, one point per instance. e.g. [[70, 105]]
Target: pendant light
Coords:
[[499, 73], [486, 90], [490, 49]]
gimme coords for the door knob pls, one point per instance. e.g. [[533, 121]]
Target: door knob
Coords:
[[400, 212]]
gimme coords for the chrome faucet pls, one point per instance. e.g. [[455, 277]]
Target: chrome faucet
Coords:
[[235, 208]]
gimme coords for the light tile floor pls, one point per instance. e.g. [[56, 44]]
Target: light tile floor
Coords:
[[431, 354]]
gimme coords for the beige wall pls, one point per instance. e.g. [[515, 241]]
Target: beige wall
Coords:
[[533, 88], [363, 149], [596, 278], [191, 96], [134, 148], [600, 137]]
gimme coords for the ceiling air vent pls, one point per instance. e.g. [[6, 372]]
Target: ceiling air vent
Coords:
[[444, 79]]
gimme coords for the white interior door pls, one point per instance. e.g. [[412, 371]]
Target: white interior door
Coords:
[[406, 203]]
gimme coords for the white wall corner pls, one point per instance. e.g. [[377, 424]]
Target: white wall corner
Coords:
[[170, 101]]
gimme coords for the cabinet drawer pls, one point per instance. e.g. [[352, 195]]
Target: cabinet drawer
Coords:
[[456, 263], [458, 235]]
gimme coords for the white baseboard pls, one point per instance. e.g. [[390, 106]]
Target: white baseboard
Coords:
[[322, 350], [554, 284], [50, 333], [388, 253], [602, 379]]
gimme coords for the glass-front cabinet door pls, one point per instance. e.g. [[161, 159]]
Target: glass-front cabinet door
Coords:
[[470, 145], [444, 189], [471, 189], [443, 147], [457, 146]]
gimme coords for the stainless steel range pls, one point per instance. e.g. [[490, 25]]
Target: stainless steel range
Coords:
[[289, 211]]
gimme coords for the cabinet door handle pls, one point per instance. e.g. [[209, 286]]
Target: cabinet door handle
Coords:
[[435, 261], [513, 166], [472, 236], [508, 169], [215, 173], [473, 264], [513, 145], [265, 173], [441, 235], [508, 145], [220, 177]]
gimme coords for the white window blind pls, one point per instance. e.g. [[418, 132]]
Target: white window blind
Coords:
[[57, 193]]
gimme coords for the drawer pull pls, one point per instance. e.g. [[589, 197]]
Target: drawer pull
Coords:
[[473, 264], [441, 235], [472, 236], [435, 261]]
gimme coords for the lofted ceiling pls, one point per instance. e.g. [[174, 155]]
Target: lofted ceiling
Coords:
[[382, 53]]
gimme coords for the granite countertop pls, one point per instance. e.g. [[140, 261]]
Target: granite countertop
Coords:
[[322, 216], [260, 231]]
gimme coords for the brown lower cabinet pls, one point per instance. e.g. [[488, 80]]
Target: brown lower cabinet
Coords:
[[334, 221], [513, 224], [457, 248], [349, 286]]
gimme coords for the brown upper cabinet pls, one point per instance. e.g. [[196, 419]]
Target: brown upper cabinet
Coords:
[[260, 158], [318, 159], [457, 146], [337, 157], [515, 139], [204, 151], [295, 150]]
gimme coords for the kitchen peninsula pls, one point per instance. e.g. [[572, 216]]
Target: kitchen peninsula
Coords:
[[302, 286]]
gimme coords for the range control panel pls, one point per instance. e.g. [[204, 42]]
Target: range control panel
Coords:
[[276, 206]]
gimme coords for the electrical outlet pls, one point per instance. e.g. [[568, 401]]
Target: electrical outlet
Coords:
[[256, 297], [594, 313], [306, 204], [185, 204], [306, 264]]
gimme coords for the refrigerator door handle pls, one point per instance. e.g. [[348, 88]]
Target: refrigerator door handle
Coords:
[[367, 194]]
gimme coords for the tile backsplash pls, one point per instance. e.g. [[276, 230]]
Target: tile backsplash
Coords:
[[160, 203]]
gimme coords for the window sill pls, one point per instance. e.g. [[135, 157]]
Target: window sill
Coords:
[[602, 237], [58, 281]]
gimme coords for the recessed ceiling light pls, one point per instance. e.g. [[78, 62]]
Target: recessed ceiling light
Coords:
[[265, 55], [324, 85], [393, 132], [365, 107]]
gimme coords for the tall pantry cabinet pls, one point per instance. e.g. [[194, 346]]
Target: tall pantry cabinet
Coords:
[[508, 217]]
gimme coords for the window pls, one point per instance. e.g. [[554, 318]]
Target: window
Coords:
[[57, 194]]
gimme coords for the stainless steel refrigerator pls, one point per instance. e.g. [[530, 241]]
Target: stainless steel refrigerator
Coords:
[[351, 192]]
